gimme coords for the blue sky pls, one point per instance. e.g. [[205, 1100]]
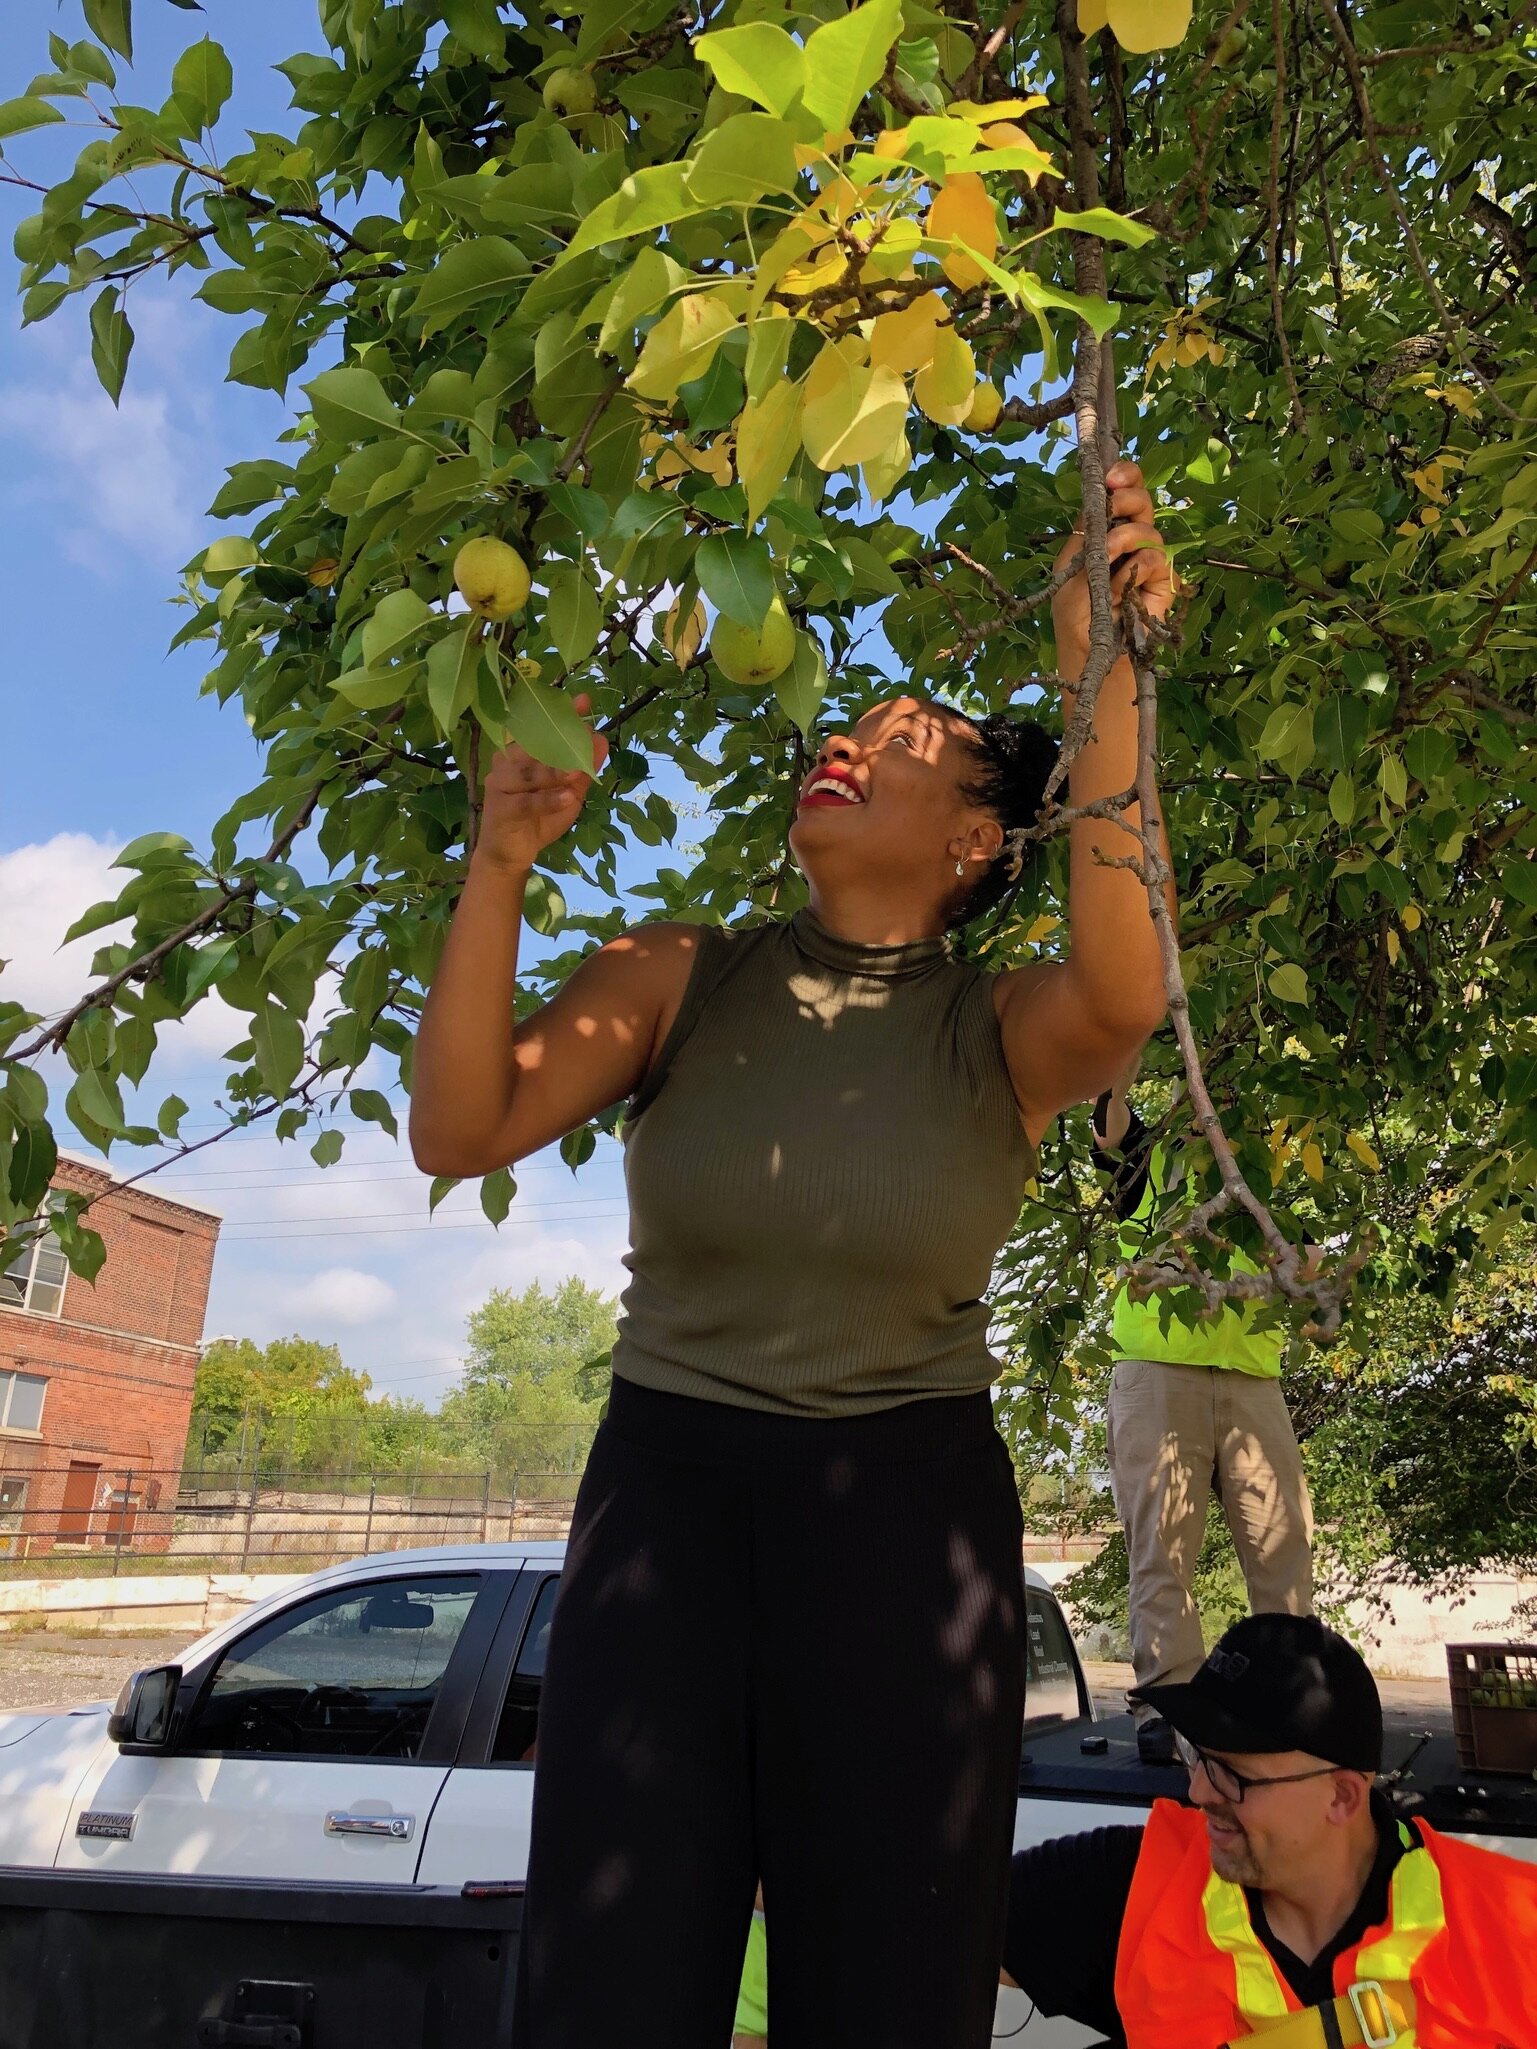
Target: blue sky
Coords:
[[106, 737]]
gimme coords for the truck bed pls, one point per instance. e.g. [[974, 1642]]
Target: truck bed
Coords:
[[1065, 1763]]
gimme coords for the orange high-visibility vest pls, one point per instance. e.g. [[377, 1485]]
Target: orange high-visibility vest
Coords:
[[1461, 1933]]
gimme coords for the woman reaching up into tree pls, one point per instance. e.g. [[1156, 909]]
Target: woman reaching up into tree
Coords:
[[789, 1640]]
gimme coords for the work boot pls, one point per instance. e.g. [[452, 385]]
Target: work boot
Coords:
[[1155, 1741]]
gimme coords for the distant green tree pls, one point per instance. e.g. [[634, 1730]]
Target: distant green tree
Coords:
[[290, 1404], [535, 1381]]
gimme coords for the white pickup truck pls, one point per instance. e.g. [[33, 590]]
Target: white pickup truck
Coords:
[[312, 1833]]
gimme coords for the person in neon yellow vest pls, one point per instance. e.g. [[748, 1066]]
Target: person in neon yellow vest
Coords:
[[1190, 1409], [750, 2029]]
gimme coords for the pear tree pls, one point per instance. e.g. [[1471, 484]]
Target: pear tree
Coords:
[[736, 363]]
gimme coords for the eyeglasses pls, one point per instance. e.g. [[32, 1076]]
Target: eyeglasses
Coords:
[[1232, 1785]]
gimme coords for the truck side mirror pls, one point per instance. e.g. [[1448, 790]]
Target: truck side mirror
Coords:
[[142, 1717]]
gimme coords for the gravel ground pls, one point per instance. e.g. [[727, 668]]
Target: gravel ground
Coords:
[[41, 1669]]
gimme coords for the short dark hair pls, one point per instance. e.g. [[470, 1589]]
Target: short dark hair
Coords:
[[1014, 758]]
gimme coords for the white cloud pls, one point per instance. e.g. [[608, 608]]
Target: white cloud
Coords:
[[345, 1295], [121, 484], [44, 888]]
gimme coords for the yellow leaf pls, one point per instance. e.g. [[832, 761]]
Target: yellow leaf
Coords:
[[1313, 1161], [1189, 349], [905, 341], [852, 410], [945, 388], [1143, 25], [1215, 352], [767, 437], [1430, 515], [826, 268], [882, 474], [1162, 357], [680, 346], [685, 645], [1364, 1151], [964, 211], [892, 143], [1395, 947], [1411, 918], [995, 110], [713, 462], [1040, 928]]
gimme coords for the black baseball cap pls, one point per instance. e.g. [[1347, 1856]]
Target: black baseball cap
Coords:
[[1279, 1682]]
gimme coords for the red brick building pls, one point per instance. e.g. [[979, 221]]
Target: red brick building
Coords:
[[96, 1379]]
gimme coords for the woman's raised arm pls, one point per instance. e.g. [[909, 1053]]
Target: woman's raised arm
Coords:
[[1070, 1026], [485, 1089]]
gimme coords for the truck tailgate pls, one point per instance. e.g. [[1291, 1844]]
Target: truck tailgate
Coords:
[[168, 1963]]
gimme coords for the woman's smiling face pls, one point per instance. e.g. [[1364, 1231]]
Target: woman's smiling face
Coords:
[[887, 800]]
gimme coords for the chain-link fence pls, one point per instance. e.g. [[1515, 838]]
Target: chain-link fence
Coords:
[[86, 1518]]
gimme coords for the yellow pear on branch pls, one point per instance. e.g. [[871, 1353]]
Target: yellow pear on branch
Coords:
[[492, 578]]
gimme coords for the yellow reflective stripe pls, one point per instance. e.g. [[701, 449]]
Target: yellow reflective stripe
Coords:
[[1257, 1988], [1417, 1915]]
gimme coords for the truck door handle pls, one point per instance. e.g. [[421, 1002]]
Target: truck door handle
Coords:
[[389, 1828]]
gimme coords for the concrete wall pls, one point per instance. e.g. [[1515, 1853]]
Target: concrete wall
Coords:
[[194, 1601]]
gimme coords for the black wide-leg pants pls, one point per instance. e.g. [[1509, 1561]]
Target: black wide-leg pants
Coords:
[[791, 1650]]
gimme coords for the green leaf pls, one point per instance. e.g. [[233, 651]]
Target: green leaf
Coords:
[[479, 27], [644, 285], [350, 405], [1394, 779], [759, 61], [371, 1107], [278, 1040], [327, 1149], [681, 345], [210, 963], [443, 1184], [544, 908], [111, 341], [844, 59], [1287, 738], [26, 1094], [201, 83], [544, 720], [767, 441], [748, 155], [578, 1147], [652, 198], [1342, 798], [1289, 983], [572, 615], [1107, 225], [111, 22], [468, 275], [496, 1192], [17, 116], [451, 667], [396, 621], [34, 1161], [803, 685], [95, 1095], [172, 1111], [736, 573]]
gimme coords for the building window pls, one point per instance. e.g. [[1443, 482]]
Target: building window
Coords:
[[34, 1276], [21, 1401]]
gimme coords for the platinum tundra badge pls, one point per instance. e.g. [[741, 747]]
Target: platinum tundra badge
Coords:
[[105, 1827]]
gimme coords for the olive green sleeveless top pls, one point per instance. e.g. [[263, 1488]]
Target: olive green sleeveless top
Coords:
[[822, 1166]]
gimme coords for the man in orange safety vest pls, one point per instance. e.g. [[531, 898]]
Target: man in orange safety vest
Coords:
[[1286, 1902]]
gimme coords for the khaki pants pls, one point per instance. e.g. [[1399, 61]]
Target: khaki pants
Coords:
[[1171, 1432]]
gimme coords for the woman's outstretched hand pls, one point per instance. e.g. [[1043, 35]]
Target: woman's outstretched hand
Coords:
[[528, 805], [1136, 558]]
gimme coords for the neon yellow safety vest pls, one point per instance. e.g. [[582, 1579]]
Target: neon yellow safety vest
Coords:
[[1150, 1330]]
